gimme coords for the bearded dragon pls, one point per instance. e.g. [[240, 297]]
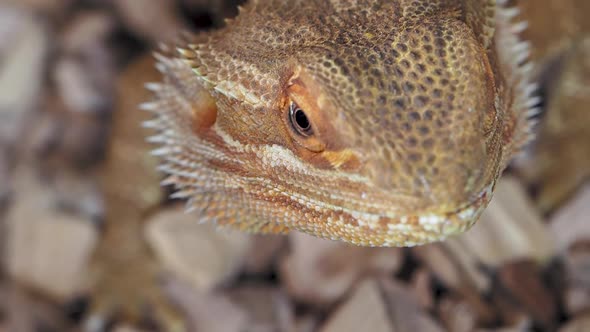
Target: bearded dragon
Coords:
[[378, 123]]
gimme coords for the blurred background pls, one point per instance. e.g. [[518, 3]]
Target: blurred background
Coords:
[[89, 240]]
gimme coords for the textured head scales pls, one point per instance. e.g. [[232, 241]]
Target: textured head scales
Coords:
[[371, 122]]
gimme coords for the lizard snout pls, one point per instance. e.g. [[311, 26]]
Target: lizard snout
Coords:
[[440, 174]]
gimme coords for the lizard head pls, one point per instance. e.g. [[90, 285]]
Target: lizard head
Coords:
[[386, 132]]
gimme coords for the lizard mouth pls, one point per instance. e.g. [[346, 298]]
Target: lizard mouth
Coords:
[[418, 229], [461, 219]]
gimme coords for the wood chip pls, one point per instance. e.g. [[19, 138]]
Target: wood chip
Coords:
[[468, 263], [319, 272], [50, 252], [570, 223], [78, 192], [207, 312], [405, 311], [23, 48], [46, 249], [46, 7], [85, 72], [5, 177], [576, 297], [306, 323], [579, 324], [84, 75], [263, 252], [268, 307], [156, 22], [197, 253], [15, 309], [523, 280], [457, 315], [578, 263], [576, 300], [523, 325], [125, 328], [444, 266], [421, 284], [509, 311], [460, 273], [363, 311]]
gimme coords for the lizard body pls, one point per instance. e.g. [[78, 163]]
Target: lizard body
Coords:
[[379, 123], [558, 163]]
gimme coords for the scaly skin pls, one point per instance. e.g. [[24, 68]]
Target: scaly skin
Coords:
[[415, 108]]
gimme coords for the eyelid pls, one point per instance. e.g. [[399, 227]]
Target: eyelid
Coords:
[[303, 91]]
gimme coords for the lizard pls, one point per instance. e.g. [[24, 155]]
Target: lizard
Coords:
[[558, 163], [180, 86], [377, 123]]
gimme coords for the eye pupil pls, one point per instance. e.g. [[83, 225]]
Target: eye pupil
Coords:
[[299, 120]]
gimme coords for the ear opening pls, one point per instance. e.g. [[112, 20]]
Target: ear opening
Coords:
[[204, 110]]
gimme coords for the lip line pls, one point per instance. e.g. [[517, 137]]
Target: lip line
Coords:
[[466, 216], [483, 196]]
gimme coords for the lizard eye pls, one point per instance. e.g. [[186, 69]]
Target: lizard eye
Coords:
[[299, 120]]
